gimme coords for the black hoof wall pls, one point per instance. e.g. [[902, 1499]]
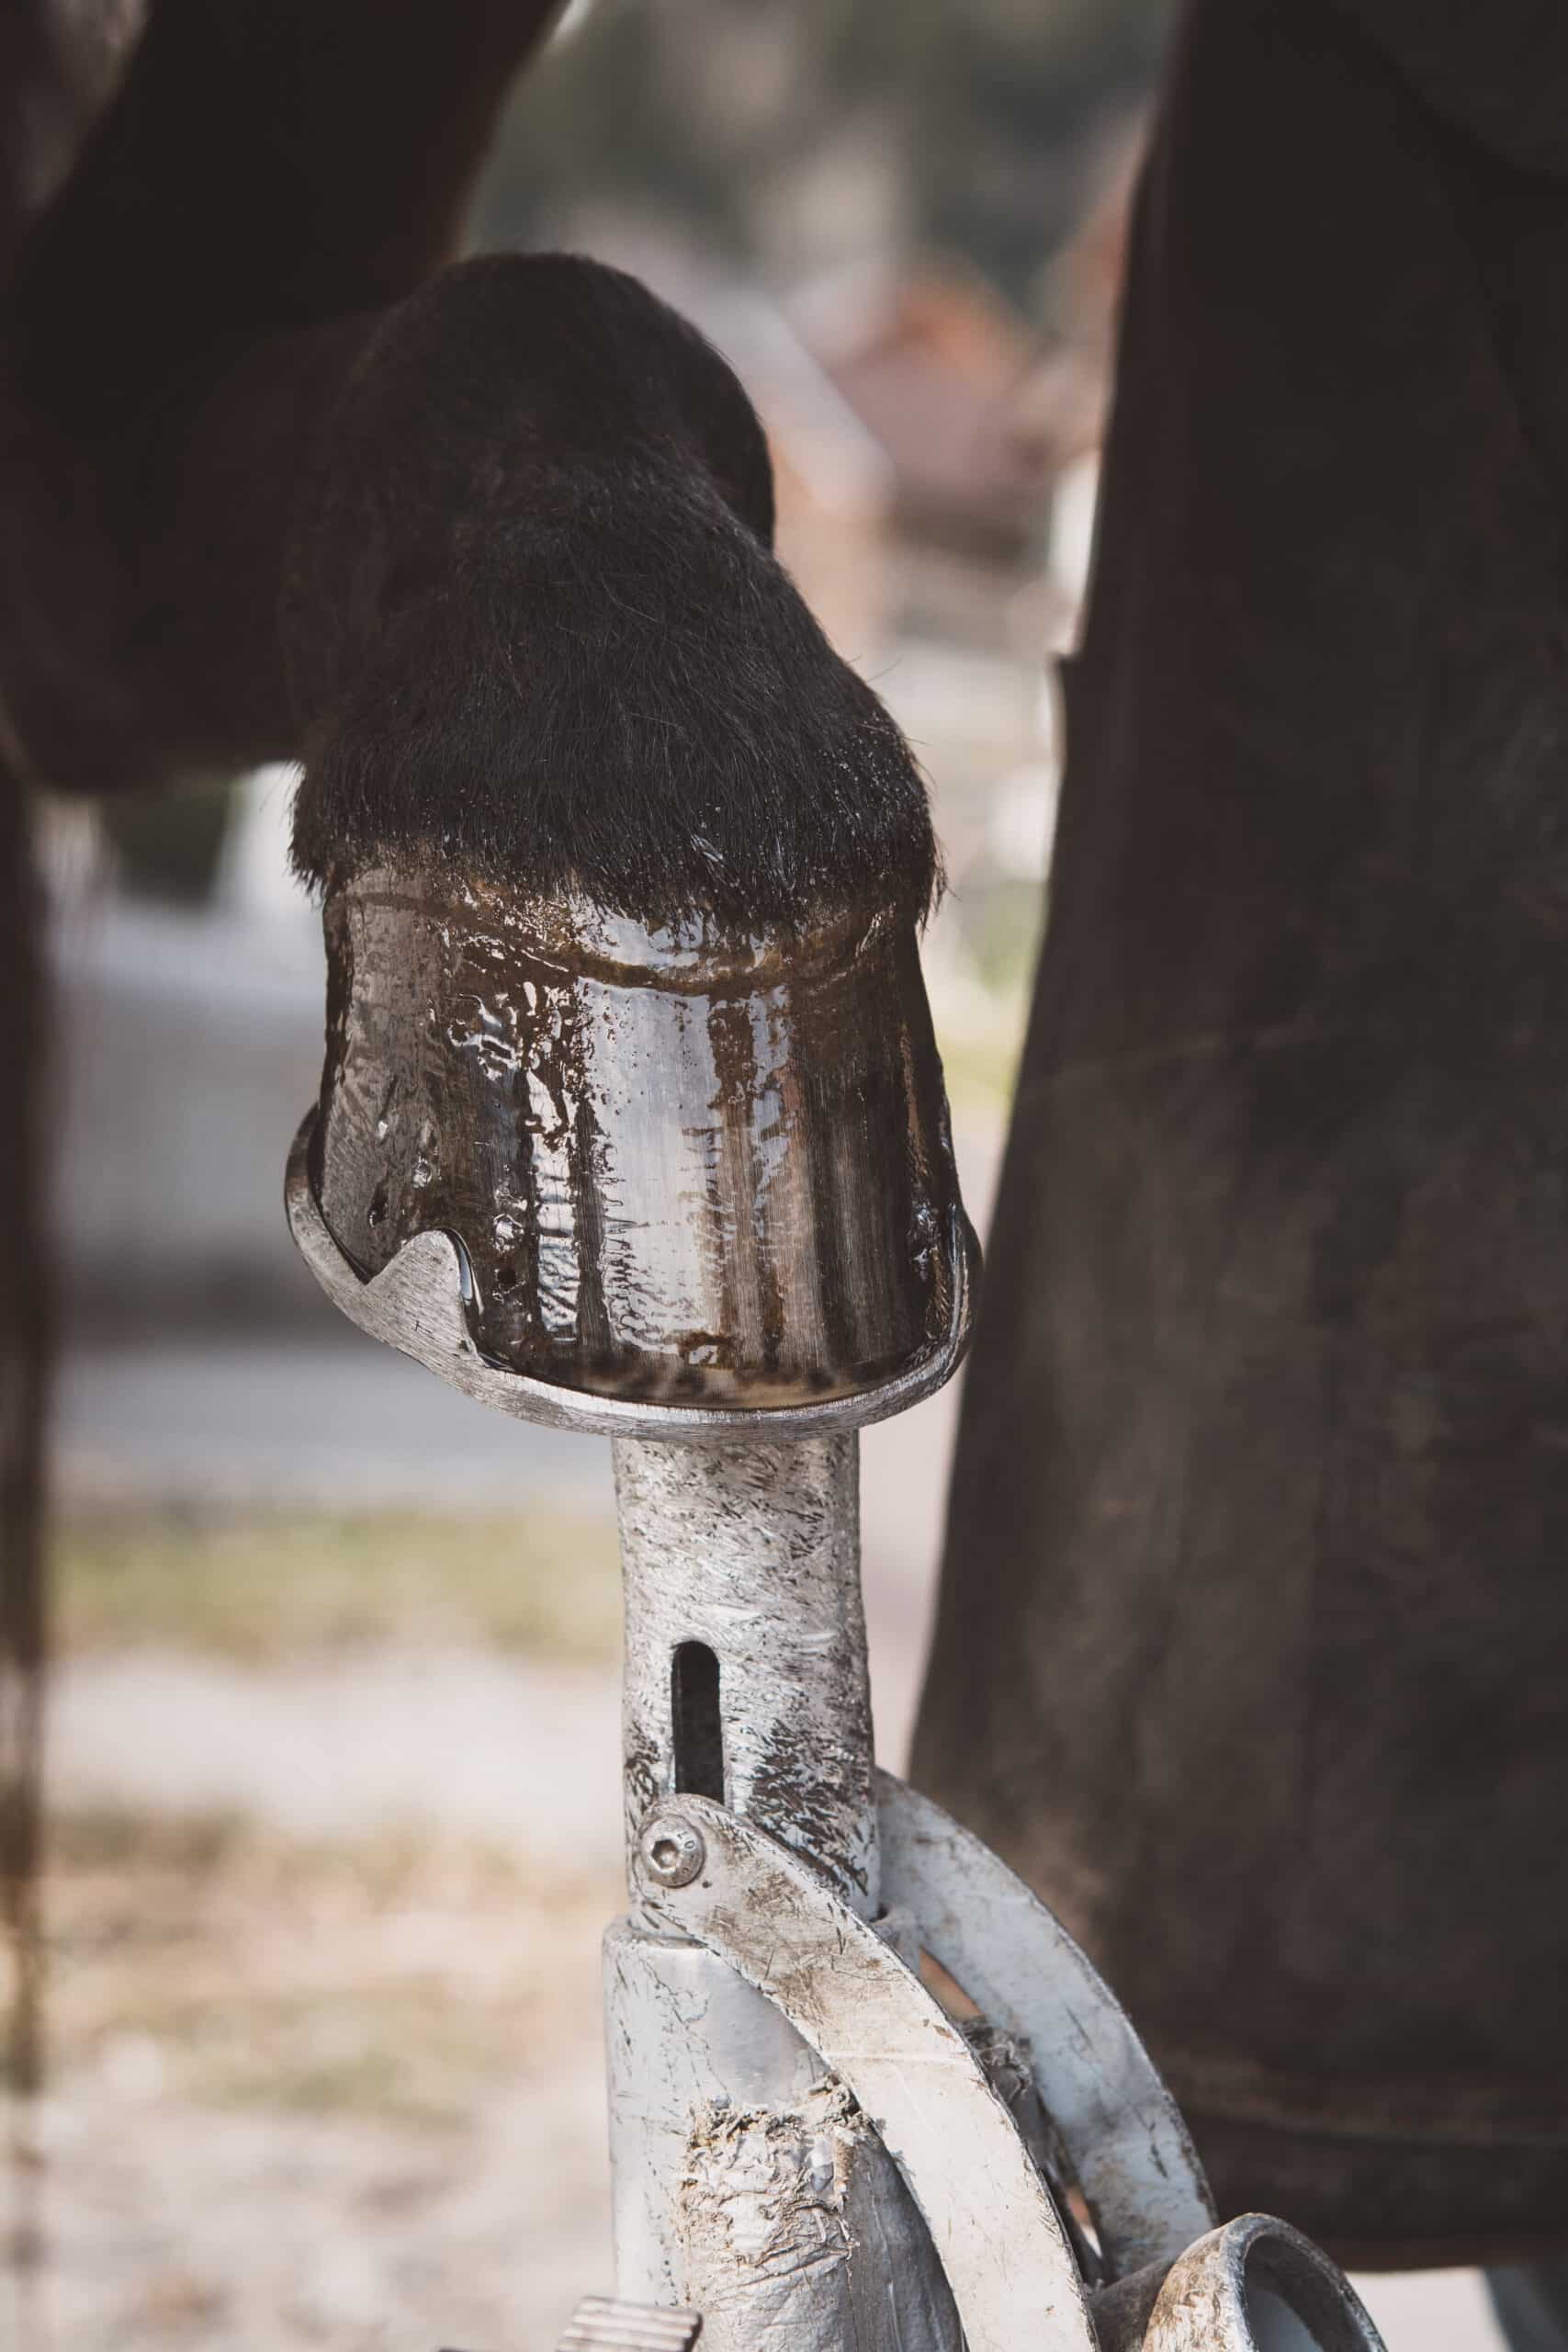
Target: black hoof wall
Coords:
[[685, 1165]]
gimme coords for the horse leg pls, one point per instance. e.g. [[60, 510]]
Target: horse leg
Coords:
[[489, 549], [171, 319]]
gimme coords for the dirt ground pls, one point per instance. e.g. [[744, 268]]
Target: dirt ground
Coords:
[[330, 2093], [324, 1999]]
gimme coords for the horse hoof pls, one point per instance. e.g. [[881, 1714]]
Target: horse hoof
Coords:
[[689, 1165]]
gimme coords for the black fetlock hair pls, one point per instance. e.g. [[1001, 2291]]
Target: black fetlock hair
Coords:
[[536, 625]]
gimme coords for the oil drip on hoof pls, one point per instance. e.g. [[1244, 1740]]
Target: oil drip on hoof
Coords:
[[684, 1164]]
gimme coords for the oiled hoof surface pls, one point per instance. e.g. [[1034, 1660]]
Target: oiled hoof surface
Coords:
[[686, 1164]]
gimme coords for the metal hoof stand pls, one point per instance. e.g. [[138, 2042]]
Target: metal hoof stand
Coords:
[[811, 2150]]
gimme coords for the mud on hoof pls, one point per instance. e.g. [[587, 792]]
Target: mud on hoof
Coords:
[[684, 1165]]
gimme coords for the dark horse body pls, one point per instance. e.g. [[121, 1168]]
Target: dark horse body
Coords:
[[487, 547], [1259, 1525]]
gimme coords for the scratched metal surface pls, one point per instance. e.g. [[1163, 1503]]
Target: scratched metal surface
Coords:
[[1122, 2131], [1007, 2257], [746, 2180], [1255, 2286], [754, 1550]]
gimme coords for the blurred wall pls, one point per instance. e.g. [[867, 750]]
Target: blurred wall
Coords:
[[190, 1048]]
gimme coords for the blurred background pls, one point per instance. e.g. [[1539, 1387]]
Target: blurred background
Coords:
[[334, 1737]]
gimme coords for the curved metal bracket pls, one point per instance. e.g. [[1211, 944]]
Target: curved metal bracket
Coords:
[[771, 1916], [1258, 2282], [420, 1304], [1129, 2147]]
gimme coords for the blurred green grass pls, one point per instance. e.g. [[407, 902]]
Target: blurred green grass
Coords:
[[259, 1587], [396, 1977]]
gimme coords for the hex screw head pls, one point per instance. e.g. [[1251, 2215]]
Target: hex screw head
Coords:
[[672, 1851]]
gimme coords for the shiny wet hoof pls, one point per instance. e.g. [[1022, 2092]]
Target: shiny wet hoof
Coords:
[[691, 1165]]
